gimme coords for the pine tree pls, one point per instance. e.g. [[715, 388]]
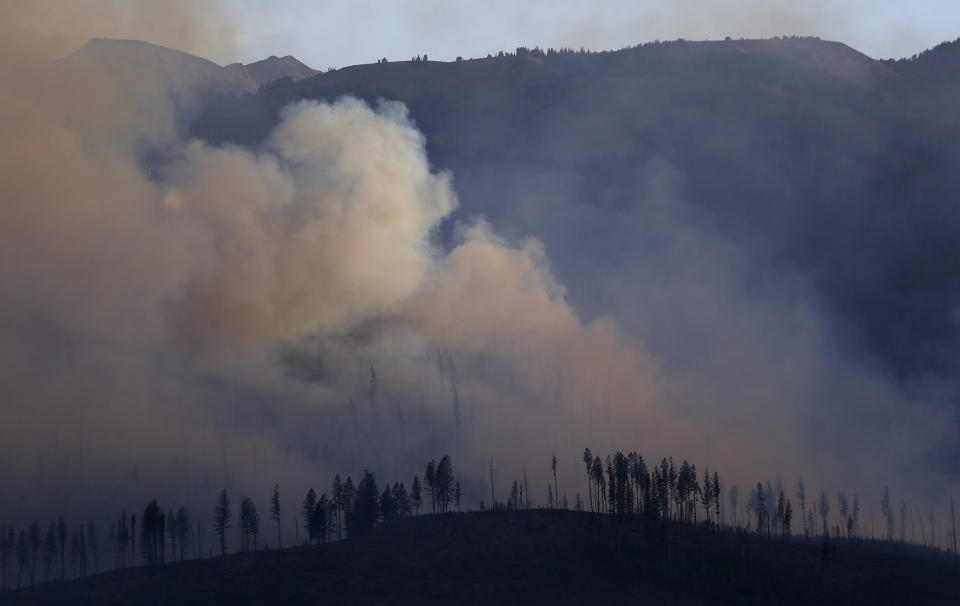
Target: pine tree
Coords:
[[706, 493], [363, 515], [183, 534], [416, 494], [249, 524], [716, 495], [430, 479], [787, 519], [336, 496], [802, 497], [92, 542], [761, 509], [306, 512], [62, 536], [221, 517], [588, 461], [553, 467], [781, 512], [824, 508], [275, 512]]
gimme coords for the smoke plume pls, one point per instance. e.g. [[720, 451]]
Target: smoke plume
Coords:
[[243, 317]]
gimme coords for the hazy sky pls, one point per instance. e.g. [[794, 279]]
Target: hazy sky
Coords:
[[337, 34]]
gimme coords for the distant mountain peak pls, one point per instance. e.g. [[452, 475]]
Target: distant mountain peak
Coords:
[[274, 68]]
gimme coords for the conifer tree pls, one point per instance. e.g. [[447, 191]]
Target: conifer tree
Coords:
[[275, 512], [306, 512], [221, 517], [416, 494]]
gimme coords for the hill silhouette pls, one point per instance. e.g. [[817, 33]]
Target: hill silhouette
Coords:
[[534, 557], [273, 68], [177, 72]]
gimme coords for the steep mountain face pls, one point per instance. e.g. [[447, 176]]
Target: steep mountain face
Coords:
[[273, 68], [795, 161]]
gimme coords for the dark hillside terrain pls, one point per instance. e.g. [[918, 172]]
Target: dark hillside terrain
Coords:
[[533, 557], [814, 159]]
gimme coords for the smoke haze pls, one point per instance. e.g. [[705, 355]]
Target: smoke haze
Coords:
[[240, 317]]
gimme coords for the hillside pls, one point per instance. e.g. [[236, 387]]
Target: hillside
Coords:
[[814, 159], [533, 557]]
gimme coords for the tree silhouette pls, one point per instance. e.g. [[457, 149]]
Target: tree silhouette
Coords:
[[132, 537], [182, 527], [761, 508], [706, 493], [856, 515], [401, 501], [802, 497], [716, 495], [886, 509], [152, 527], [596, 473], [734, 497], [336, 498], [416, 494], [49, 551], [62, 536], [173, 535], [430, 479], [92, 544], [787, 519], [221, 517], [349, 495], [388, 506], [781, 512], [249, 524], [5, 550], [363, 515], [588, 462], [443, 481], [275, 512], [824, 508], [317, 521], [844, 507], [553, 468], [33, 534], [306, 512]]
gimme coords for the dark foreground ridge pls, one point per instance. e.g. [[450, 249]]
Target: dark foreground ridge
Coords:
[[534, 557]]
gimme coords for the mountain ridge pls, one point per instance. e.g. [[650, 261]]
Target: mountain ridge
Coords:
[[180, 71]]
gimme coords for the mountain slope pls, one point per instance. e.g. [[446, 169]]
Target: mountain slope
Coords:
[[806, 155], [533, 557]]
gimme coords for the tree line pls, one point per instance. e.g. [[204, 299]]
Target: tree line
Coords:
[[619, 485]]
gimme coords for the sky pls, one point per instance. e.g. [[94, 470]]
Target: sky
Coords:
[[338, 34]]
